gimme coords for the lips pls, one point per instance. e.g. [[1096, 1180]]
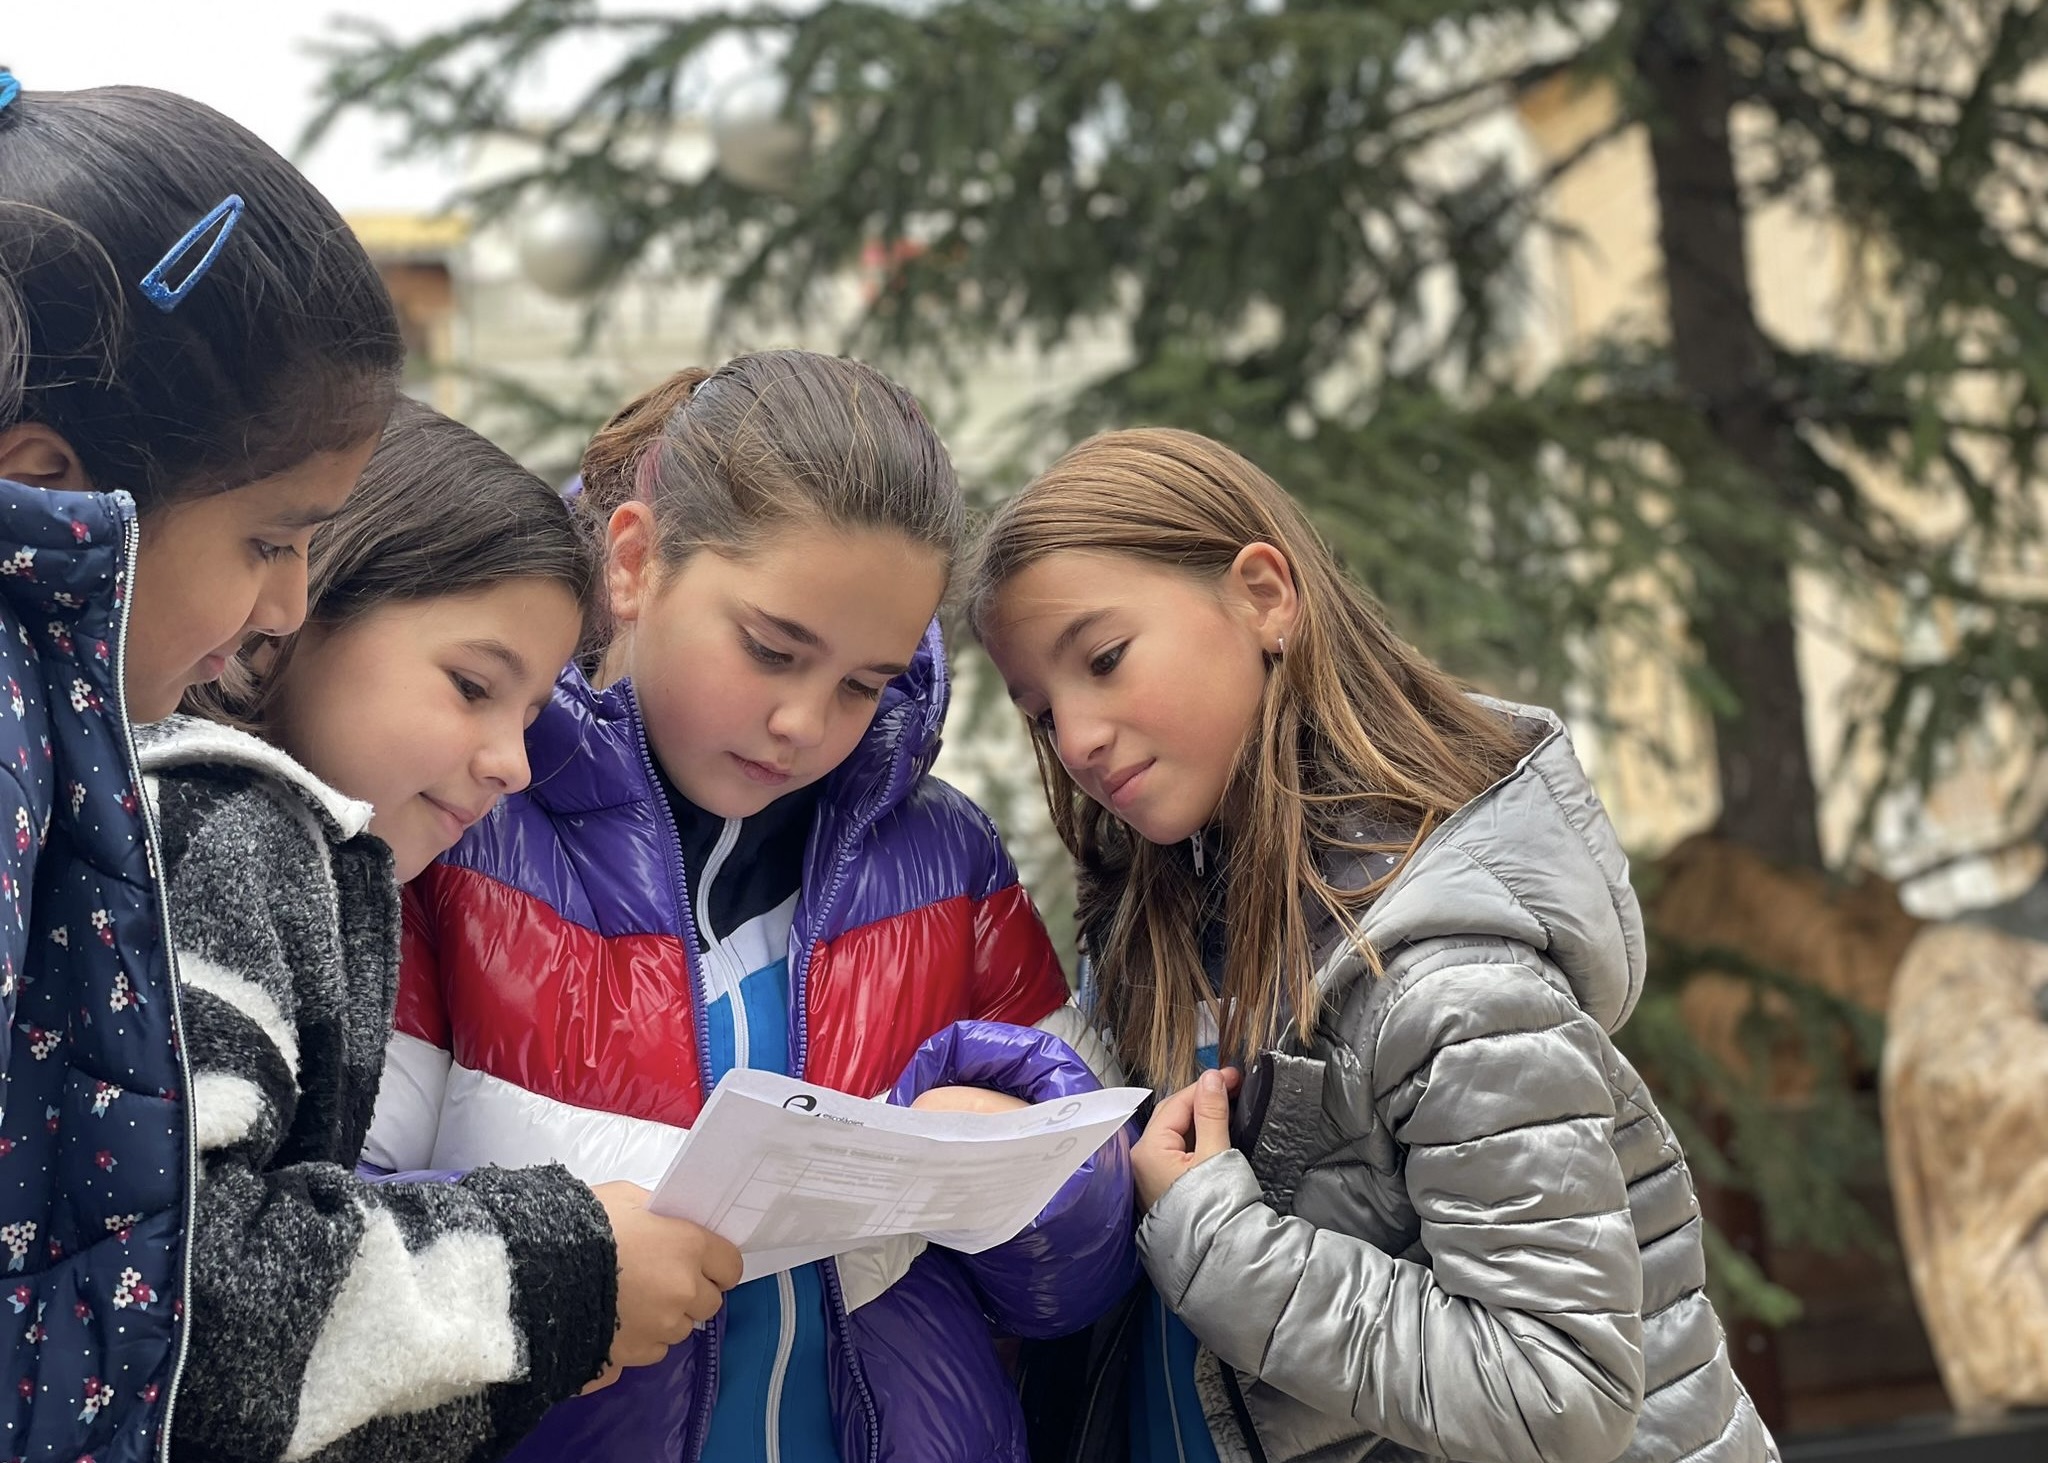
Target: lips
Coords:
[[765, 773], [212, 666], [1123, 785], [459, 819]]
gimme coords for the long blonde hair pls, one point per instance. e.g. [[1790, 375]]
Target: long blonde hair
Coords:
[[1360, 744]]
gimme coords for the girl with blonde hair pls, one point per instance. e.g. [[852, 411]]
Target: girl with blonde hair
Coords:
[[1443, 1218]]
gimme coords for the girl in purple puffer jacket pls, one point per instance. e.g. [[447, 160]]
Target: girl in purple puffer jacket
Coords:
[[733, 854]]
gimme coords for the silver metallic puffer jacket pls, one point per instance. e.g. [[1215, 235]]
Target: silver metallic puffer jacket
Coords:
[[1463, 1229]]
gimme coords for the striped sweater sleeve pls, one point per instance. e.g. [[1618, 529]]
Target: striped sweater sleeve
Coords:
[[332, 1318]]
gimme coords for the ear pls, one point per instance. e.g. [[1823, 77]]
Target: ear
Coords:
[[631, 562], [1262, 582], [34, 454]]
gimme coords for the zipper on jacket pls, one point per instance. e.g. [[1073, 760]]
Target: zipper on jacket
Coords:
[[800, 1055], [800, 1021], [1079, 1443], [785, 1343], [718, 955], [800, 974], [821, 911], [1180, 1447], [830, 1270], [1243, 1412], [707, 1380], [715, 952], [131, 543]]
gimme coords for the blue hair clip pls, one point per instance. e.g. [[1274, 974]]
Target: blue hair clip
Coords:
[[9, 88], [227, 213]]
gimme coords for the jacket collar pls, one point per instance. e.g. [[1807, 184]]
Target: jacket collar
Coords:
[[178, 743], [60, 552], [903, 740]]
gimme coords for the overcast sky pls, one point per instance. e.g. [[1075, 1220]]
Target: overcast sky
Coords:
[[249, 58]]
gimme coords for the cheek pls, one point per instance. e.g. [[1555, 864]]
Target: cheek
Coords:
[[318, 733], [1221, 714], [181, 597], [853, 725], [687, 720]]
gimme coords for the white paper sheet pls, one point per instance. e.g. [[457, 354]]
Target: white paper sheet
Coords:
[[792, 1173]]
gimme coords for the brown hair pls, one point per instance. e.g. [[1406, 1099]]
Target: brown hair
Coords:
[[439, 511], [1360, 744], [13, 352], [287, 347], [725, 457]]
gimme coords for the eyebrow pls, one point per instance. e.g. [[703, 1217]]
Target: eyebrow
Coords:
[[499, 651], [1076, 627], [811, 640], [305, 517], [789, 629]]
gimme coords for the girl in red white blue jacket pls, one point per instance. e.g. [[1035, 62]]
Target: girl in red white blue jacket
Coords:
[[733, 854]]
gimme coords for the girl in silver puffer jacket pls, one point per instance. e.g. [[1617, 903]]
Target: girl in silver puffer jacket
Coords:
[[1443, 1217]]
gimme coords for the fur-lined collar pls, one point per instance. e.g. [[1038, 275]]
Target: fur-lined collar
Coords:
[[189, 741]]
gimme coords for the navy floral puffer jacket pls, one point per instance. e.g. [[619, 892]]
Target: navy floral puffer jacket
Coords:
[[95, 1172]]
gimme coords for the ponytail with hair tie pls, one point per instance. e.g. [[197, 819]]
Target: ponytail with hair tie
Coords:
[[612, 461], [786, 437]]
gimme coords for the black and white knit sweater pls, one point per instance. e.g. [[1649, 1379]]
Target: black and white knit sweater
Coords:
[[335, 1318]]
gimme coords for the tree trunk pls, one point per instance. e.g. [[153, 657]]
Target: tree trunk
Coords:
[[1745, 631]]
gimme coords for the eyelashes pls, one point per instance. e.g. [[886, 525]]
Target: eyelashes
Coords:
[[1099, 666], [762, 653], [777, 659]]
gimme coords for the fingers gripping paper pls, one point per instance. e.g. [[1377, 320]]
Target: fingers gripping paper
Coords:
[[792, 1173]]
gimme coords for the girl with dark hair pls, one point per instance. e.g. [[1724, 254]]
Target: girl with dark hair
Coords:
[[335, 1317], [206, 356], [1445, 1219], [733, 854]]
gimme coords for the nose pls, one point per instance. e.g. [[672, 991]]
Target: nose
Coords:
[[798, 720], [1081, 740], [501, 760], [280, 606]]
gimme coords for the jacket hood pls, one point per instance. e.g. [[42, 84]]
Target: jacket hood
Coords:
[[586, 734], [1534, 858], [903, 741], [180, 742]]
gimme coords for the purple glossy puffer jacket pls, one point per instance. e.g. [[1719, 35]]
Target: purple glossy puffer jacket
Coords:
[[552, 1008]]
